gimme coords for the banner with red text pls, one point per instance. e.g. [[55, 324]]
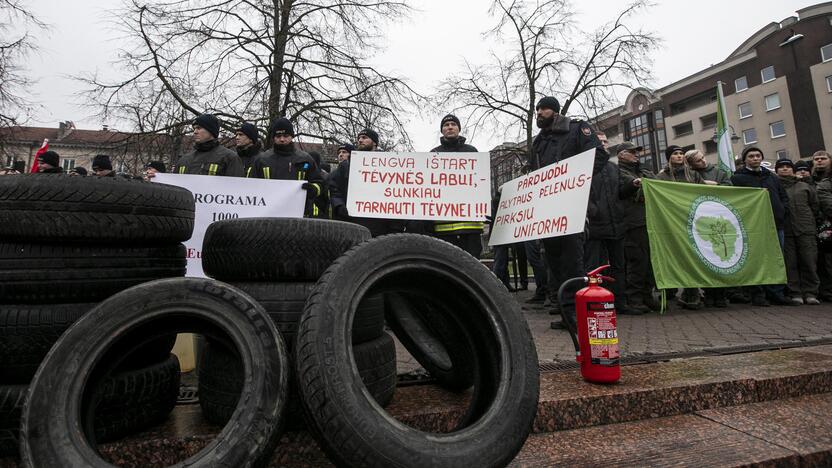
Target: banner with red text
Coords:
[[429, 186], [548, 202], [222, 198]]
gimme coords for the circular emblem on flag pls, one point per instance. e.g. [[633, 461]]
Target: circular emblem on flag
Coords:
[[717, 235]]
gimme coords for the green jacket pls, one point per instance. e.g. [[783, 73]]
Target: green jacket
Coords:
[[714, 173], [803, 207], [632, 197]]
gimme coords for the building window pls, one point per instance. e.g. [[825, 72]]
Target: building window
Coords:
[[740, 84], [745, 110], [708, 121], [772, 102], [829, 83], [749, 136], [710, 146], [782, 154], [659, 117], [826, 52], [767, 74], [778, 129], [683, 129], [68, 164]]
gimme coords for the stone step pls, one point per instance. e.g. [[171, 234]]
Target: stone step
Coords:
[[790, 432]]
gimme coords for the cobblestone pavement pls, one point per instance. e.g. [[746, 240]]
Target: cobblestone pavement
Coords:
[[681, 331]]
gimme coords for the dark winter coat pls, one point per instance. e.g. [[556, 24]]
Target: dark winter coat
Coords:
[[453, 146], [714, 173], [803, 206], [292, 164], [562, 139], [248, 154], [632, 197], [210, 158], [604, 209], [824, 194], [764, 178], [54, 170], [339, 184]]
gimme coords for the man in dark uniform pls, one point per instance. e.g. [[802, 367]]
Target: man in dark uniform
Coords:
[[560, 138], [339, 183], [247, 144], [102, 166], [285, 162], [639, 277], [467, 235], [49, 163], [208, 156]]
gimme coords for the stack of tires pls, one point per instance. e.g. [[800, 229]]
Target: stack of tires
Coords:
[[277, 261], [67, 243]]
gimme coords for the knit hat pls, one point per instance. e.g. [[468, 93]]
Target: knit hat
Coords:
[[158, 165], [248, 130], [79, 170], [102, 161], [671, 149], [750, 149], [548, 102], [783, 162], [209, 123], [370, 133], [281, 126], [347, 147], [803, 165], [449, 118], [51, 158]]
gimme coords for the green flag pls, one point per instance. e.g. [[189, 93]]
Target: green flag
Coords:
[[711, 236]]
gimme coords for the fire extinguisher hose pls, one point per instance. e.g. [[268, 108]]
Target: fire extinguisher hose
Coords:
[[571, 327]]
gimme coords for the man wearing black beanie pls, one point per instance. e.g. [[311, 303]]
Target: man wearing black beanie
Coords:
[[102, 166], [49, 163], [248, 144], [465, 235], [560, 138], [285, 162], [208, 156]]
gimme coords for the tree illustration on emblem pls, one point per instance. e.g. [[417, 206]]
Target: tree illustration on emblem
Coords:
[[721, 234]]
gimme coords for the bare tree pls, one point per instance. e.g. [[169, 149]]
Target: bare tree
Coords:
[[255, 60], [15, 46], [549, 55]]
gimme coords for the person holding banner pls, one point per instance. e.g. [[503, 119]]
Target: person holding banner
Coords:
[[560, 138], [467, 235], [285, 162], [639, 280], [208, 156]]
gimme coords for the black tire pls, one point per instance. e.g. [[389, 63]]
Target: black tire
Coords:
[[56, 428], [351, 428], [130, 402], [221, 380], [430, 335], [276, 249], [284, 303], [45, 207], [11, 405], [27, 332], [57, 273]]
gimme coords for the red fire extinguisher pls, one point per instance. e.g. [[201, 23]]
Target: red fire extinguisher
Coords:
[[596, 343]]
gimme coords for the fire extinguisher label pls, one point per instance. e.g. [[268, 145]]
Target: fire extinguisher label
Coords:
[[603, 335]]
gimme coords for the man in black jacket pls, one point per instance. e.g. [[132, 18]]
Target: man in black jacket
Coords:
[[755, 175], [560, 138], [49, 163], [467, 235], [209, 157], [285, 162], [247, 144], [102, 166]]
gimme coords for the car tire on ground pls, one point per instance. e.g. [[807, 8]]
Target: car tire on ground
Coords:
[[276, 249], [505, 395], [46, 207], [56, 429]]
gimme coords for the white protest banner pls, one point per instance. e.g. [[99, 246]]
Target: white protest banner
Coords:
[[548, 202], [433, 186], [221, 198]]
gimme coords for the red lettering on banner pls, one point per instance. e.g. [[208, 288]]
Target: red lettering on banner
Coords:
[[390, 161], [393, 178], [516, 217], [541, 228], [451, 180], [456, 210], [451, 163], [563, 185], [553, 172], [394, 208]]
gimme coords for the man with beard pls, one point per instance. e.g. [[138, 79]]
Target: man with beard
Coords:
[[247, 144], [285, 162], [467, 235], [208, 156], [339, 183], [560, 138]]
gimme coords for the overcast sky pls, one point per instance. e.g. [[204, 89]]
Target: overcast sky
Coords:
[[426, 48]]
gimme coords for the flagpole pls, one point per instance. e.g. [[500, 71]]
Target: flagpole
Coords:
[[725, 148]]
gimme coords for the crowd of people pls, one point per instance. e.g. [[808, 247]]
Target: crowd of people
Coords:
[[800, 193]]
